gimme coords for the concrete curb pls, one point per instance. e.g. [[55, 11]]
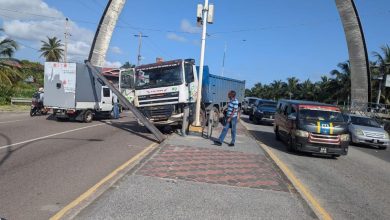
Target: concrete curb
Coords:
[[71, 210], [304, 194]]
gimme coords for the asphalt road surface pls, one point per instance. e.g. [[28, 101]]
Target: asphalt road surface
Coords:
[[45, 164], [356, 186]]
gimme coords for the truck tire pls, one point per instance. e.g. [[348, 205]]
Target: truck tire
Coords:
[[216, 118], [88, 116]]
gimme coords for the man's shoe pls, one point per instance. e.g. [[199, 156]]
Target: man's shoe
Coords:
[[218, 143], [231, 145]]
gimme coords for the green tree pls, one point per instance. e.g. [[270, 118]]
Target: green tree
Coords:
[[52, 49], [292, 87], [382, 61], [127, 65], [8, 72], [341, 83], [307, 91]]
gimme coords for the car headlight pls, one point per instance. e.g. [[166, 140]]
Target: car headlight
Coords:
[[387, 135], [344, 137], [301, 133], [359, 132]]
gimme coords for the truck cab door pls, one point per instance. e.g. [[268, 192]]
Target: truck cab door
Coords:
[[106, 101], [191, 81]]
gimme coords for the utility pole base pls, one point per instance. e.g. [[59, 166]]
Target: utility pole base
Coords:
[[197, 129]]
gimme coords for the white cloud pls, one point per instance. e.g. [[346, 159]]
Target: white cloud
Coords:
[[186, 26], [115, 64], [116, 50], [25, 26], [175, 37], [28, 9]]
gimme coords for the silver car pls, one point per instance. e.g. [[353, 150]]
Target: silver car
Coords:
[[365, 130]]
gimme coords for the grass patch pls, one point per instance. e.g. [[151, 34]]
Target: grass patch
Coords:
[[15, 108]]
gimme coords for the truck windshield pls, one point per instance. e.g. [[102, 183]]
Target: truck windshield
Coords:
[[127, 79], [159, 77], [320, 115], [364, 122]]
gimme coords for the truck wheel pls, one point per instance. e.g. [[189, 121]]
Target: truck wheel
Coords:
[[88, 116], [215, 117]]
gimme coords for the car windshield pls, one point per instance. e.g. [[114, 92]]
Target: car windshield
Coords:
[[159, 77], [252, 101], [320, 115], [364, 122], [267, 104]]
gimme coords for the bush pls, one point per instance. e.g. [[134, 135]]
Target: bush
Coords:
[[22, 91]]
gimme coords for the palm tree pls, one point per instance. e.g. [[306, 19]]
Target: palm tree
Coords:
[[292, 86], [277, 89], [8, 72], [307, 90], [52, 49], [341, 84], [382, 60]]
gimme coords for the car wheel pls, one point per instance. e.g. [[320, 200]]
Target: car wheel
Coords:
[[250, 117], [290, 145], [88, 116], [277, 135], [383, 147]]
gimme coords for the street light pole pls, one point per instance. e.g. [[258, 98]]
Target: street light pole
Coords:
[[67, 35], [140, 36], [201, 63]]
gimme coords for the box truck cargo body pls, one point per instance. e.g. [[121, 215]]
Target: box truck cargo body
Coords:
[[73, 93]]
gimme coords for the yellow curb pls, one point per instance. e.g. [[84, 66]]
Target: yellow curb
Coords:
[[304, 191], [93, 189]]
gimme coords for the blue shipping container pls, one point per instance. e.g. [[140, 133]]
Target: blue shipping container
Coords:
[[215, 88]]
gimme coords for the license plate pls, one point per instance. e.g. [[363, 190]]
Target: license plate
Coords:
[[323, 150]]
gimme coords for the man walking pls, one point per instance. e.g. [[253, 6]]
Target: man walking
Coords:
[[231, 120]]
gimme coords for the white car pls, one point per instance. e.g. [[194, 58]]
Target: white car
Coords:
[[365, 130]]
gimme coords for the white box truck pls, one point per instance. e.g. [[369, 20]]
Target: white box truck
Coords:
[[73, 92]]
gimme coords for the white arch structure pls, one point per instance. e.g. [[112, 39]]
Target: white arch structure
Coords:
[[360, 74]]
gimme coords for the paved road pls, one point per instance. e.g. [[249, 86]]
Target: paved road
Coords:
[[352, 187], [45, 164]]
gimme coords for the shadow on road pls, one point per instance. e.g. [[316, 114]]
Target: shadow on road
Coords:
[[12, 149], [132, 127]]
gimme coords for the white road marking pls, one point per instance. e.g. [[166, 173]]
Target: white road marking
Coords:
[[47, 136]]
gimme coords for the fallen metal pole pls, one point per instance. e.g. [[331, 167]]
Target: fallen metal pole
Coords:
[[95, 72]]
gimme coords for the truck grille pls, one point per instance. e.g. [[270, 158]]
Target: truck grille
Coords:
[[269, 114], [374, 134], [158, 96], [158, 113], [324, 139]]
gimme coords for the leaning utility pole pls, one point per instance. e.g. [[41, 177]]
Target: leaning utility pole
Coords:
[[140, 36], [67, 35], [97, 55]]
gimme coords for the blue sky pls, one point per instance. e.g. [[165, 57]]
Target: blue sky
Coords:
[[266, 40]]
